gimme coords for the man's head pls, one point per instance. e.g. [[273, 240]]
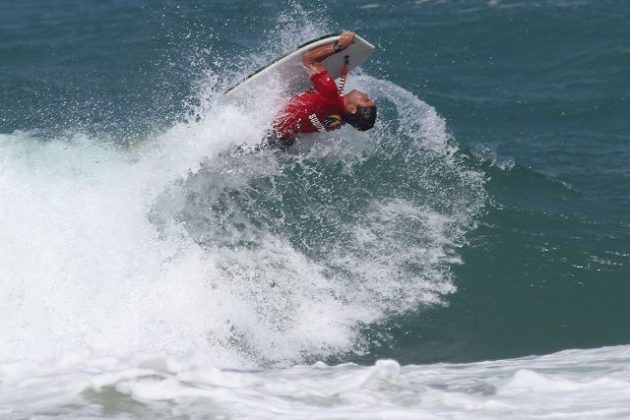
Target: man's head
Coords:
[[360, 110]]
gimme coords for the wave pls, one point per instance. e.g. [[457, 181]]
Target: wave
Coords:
[[177, 245]]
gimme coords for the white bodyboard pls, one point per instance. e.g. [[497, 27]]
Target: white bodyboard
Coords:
[[290, 72]]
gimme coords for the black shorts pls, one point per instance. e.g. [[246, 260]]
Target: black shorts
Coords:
[[273, 140]]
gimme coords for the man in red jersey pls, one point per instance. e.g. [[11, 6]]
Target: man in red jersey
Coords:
[[322, 108]]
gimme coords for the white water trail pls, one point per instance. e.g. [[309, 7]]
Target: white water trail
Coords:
[[570, 384]]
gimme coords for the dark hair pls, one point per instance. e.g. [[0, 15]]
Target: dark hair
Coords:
[[363, 119]]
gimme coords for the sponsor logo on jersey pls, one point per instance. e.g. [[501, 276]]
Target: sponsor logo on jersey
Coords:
[[316, 123], [330, 122]]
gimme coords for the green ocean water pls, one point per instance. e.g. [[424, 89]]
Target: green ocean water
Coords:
[[534, 96]]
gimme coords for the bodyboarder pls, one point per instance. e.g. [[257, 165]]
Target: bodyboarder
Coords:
[[324, 107]]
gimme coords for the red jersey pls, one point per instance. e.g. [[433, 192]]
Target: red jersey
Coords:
[[317, 109]]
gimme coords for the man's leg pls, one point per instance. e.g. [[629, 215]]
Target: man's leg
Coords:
[[273, 141]]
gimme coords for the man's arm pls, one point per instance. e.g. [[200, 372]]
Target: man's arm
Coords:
[[312, 59]]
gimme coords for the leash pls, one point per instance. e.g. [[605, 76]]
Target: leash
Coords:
[[344, 74]]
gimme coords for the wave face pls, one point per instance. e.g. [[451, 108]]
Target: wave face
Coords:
[[149, 270]]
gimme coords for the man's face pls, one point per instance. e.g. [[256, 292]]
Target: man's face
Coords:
[[359, 98]]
